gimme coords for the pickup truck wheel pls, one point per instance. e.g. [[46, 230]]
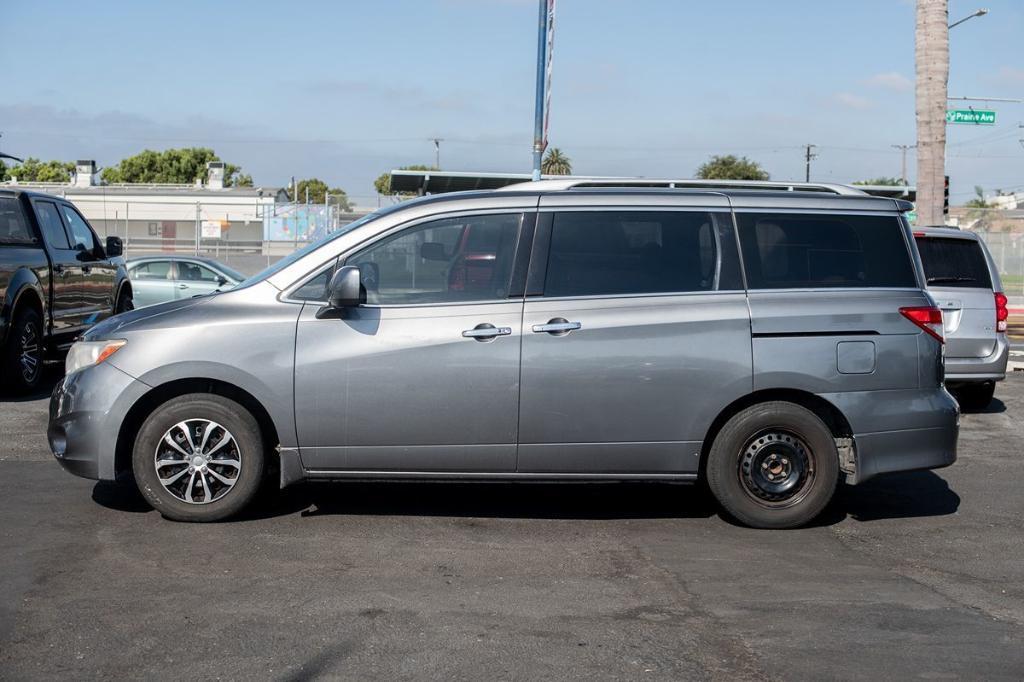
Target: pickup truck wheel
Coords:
[[23, 357], [199, 457], [124, 302], [773, 465]]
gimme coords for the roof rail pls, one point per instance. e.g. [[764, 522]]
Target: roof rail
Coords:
[[580, 183]]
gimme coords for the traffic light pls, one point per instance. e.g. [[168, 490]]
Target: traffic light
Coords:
[[945, 195]]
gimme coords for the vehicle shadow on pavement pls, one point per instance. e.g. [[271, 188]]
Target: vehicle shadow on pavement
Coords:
[[997, 406], [895, 496], [51, 375], [912, 494]]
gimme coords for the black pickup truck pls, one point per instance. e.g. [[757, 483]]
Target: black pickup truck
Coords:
[[56, 280]]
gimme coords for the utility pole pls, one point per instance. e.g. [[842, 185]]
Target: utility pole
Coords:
[[810, 155], [931, 59], [903, 148], [437, 152]]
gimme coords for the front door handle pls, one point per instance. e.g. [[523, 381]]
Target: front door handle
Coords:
[[183, 286], [558, 326], [486, 332], [86, 269]]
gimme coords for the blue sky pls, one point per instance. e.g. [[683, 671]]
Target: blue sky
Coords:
[[346, 90]]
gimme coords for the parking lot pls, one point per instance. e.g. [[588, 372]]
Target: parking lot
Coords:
[[914, 575]]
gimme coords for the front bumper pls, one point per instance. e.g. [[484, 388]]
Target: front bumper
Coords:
[[969, 370], [86, 412]]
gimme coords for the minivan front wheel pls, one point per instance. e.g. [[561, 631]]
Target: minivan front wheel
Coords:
[[198, 457], [773, 465]]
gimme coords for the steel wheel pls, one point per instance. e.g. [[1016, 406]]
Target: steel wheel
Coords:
[[198, 461], [30, 359], [776, 468]]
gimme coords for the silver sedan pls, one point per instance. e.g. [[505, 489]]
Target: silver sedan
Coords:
[[157, 279]]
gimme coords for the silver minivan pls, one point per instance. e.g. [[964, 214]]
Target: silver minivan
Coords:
[[766, 339], [964, 280]]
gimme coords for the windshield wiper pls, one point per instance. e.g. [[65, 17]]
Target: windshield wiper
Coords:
[[940, 280]]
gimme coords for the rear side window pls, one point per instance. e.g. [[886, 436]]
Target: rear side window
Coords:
[[954, 262], [793, 251], [606, 253], [159, 270], [14, 228], [53, 228]]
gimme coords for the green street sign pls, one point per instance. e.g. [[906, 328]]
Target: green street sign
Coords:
[[983, 117]]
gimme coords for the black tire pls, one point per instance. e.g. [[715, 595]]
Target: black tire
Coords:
[[975, 397], [23, 354], [124, 301], [781, 441], [196, 410]]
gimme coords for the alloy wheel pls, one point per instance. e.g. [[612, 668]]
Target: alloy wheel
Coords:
[[198, 461]]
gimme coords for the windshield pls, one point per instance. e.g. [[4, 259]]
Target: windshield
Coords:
[[308, 248]]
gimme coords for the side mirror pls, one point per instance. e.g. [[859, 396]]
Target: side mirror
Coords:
[[345, 289], [433, 251], [115, 247], [221, 280]]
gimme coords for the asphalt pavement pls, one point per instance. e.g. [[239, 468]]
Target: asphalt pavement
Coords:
[[917, 575]]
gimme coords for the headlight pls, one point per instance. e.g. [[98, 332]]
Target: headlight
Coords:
[[88, 353]]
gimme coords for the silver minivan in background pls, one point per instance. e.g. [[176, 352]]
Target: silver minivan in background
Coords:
[[768, 339], [964, 280]]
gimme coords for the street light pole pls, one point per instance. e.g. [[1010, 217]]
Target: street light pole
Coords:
[[977, 13], [538, 108]]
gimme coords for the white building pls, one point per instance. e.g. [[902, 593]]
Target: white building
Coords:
[[168, 215]]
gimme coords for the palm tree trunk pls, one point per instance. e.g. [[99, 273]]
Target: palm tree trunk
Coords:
[[931, 55]]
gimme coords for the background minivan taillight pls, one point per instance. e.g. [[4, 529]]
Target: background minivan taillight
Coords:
[[1002, 312]]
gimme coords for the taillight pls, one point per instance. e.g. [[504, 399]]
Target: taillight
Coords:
[[1001, 311], [928, 318]]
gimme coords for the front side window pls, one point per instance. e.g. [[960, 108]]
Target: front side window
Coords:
[[80, 230], [49, 221], [158, 269], [193, 272], [788, 251], [444, 261], [13, 227], [604, 253]]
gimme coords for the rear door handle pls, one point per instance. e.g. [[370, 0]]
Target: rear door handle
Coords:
[[557, 326], [183, 286], [86, 269], [59, 270], [486, 331]]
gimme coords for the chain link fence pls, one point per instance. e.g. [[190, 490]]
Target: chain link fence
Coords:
[[245, 237]]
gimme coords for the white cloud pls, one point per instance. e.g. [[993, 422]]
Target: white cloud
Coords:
[[1010, 76], [890, 80], [852, 101]]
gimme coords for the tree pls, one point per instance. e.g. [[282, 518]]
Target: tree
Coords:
[[730, 167], [34, 170], [383, 182], [183, 166], [931, 58], [979, 210], [556, 163], [318, 190], [885, 181]]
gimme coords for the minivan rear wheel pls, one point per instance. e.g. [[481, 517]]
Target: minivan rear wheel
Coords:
[[198, 457], [773, 465]]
